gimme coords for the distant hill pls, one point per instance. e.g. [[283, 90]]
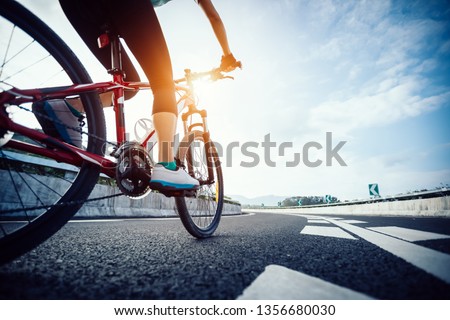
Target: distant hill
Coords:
[[269, 200]]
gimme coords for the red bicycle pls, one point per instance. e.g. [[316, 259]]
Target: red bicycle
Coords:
[[45, 181]]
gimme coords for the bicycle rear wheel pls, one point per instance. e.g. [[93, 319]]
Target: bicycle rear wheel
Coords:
[[37, 194], [201, 214]]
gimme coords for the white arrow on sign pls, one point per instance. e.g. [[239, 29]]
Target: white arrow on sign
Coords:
[[373, 189]]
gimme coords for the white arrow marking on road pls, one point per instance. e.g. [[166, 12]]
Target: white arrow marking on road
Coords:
[[281, 283]]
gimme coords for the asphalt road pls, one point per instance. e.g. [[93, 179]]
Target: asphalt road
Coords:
[[254, 256]]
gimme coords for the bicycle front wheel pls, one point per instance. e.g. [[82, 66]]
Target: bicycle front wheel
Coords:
[[201, 214], [37, 194]]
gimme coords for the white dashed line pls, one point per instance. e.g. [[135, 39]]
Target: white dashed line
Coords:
[[281, 283], [327, 232]]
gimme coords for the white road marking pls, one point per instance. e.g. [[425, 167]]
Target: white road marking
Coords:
[[244, 215], [327, 232], [281, 283], [353, 221], [434, 262], [123, 220], [321, 221], [95, 220], [409, 234]]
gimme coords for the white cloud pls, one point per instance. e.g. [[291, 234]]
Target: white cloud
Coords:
[[368, 68], [392, 101]]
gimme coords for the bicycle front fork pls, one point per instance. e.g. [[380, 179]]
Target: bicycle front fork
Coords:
[[209, 152]]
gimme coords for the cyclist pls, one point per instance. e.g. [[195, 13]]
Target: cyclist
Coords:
[[136, 22]]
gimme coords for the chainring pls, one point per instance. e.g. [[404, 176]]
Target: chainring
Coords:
[[133, 170]]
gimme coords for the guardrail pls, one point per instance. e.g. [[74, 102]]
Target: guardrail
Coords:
[[403, 197], [420, 207], [430, 203]]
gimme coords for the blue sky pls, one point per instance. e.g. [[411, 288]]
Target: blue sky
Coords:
[[374, 73]]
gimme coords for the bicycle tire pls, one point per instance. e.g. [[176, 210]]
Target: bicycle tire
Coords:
[[18, 237], [201, 215]]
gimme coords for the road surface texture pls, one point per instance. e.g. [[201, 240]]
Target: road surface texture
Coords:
[[253, 256]]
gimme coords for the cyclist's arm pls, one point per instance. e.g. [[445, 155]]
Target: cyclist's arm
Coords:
[[217, 24]]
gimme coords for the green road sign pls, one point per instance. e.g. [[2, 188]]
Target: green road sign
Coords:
[[373, 190]]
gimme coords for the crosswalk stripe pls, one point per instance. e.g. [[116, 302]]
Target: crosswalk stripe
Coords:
[[281, 283]]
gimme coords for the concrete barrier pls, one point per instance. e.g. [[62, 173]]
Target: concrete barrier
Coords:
[[431, 207], [153, 205]]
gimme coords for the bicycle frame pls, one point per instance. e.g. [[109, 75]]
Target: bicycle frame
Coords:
[[41, 195], [66, 153]]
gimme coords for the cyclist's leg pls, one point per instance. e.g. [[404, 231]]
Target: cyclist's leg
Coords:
[[143, 35]]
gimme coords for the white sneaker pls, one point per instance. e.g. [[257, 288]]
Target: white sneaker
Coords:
[[165, 179]]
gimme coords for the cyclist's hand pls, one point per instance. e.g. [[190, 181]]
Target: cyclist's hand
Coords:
[[229, 63]]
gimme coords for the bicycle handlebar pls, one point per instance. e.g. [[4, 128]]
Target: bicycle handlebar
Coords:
[[214, 74]]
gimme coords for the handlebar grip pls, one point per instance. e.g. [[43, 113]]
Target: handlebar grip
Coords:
[[214, 74]]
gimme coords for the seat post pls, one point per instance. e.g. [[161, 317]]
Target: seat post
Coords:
[[118, 77], [116, 56], [112, 39], [119, 93]]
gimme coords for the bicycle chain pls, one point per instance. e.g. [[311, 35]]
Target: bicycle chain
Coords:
[[68, 203]]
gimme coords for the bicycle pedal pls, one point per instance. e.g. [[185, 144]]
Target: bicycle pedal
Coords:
[[178, 193], [171, 192]]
